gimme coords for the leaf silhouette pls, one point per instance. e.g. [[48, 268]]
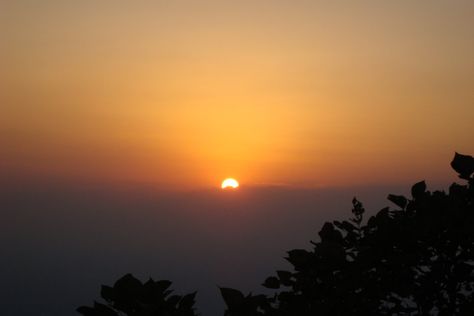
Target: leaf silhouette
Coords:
[[285, 277], [418, 190], [233, 298], [107, 293], [328, 233], [187, 301], [398, 200], [299, 258], [271, 283], [464, 165]]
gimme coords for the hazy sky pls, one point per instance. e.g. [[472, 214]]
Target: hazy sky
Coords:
[[184, 93], [59, 245]]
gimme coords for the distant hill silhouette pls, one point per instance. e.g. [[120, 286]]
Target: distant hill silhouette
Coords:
[[416, 259]]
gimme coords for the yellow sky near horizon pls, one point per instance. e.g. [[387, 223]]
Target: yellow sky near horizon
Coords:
[[186, 93]]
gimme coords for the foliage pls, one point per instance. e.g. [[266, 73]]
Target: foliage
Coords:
[[131, 297], [416, 259]]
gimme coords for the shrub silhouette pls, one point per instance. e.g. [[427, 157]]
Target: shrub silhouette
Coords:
[[415, 260], [130, 297]]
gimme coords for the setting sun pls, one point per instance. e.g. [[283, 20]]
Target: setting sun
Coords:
[[229, 183]]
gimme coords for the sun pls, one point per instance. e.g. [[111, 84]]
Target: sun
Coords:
[[230, 183]]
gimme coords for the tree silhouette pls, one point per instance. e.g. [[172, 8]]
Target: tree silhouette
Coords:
[[417, 259], [132, 298]]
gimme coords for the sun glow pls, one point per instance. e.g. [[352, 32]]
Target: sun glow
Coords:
[[229, 183]]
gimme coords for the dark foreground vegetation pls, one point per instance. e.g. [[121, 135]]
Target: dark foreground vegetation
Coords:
[[416, 259]]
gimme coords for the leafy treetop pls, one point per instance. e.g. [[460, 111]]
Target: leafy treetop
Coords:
[[416, 259]]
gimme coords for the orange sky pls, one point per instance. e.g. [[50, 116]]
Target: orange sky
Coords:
[[186, 93]]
